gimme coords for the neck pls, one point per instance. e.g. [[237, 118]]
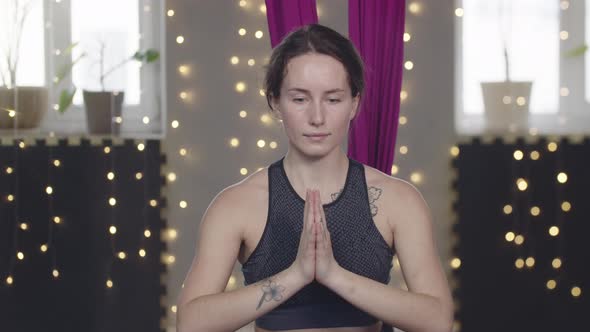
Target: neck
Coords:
[[327, 174]]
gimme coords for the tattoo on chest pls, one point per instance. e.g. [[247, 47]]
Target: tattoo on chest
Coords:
[[374, 194], [271, 291]]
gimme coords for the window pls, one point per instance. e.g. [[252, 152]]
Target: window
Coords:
[[115, 29], [538, 35]]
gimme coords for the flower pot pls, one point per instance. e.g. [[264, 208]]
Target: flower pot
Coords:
[[506, 104], [30, 104], [102, 110]]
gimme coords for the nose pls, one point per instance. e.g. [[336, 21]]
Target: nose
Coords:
[[317, 116]]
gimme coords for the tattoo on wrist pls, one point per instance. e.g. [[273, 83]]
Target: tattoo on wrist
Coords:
[[270, 291], [374, 194]]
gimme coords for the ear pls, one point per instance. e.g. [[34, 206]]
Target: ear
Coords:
[[355, 106], [275, 111]]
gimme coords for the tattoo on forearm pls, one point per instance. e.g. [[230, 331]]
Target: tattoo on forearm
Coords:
[[374, 194], [271, 291]]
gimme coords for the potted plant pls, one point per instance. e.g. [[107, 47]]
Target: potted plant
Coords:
[[506, 103], [102, 107], [21, 107]]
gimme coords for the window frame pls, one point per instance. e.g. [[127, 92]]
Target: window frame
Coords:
[[572, 116]]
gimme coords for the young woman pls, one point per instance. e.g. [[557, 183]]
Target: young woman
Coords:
[[316, 231]]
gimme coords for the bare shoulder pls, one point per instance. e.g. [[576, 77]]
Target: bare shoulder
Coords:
[[397, 195], [243, 195]]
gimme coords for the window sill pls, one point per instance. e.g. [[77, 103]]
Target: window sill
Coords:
[[536, 124]]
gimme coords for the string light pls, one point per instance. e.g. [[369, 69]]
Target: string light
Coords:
[[519, 239], [243, 114], [553, 230], [170, 13], [576, 291], [507, 209], [240, 87], [556, 263], [243, 171], [562, 177], [234, 60], [518, 155], [147, 233], [566, 206], [175, 124], [180, 39], [234, 142], [455, 263], [258, 34], [183, 204], [242, 32], [552, 146], [522, 184], [509, 236], [261, 143], [459, 12], [409, 65], [551, 284]]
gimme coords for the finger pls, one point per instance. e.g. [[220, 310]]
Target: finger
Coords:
[[322, 219]]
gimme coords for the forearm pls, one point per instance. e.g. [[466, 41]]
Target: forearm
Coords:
[[228, 311], [408, 311]]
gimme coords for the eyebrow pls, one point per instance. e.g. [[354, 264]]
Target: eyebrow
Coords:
[[307, 91]]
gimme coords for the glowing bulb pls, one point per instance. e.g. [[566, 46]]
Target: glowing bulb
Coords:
[[183, 70], [509, 236], [242, 31], [9, 280], [551, 284], [146, 120], [22, 145], [107, 150], [564, 92], [454, 151], [171, 177], [240, 87], [521, 101], [519, 263], [170, 12], [415, 8], [530, 261], [562, 177], [273, 145], [243, 171], [109, 283], [173, 308], [113, 230], [183, 95], [9, 170], [409, 65], [180, 39], [234, 60], [55, 273], [20, 255], [182, 152], [138, 175], [556, 263], [147, 233], [234, 142], [43, 248], [183, 204], [258, 34], [553, 230], [49, 190], [251, 62], [262, 8], [24, 226], [518, 155], [535, 155], [10, 198], [552, 146], [407, 37], [261, 143], [507, 100], [576, 291], [265, 118], [403, 120], [175, 124], [507, 209], [564, 35], [522, 184], [403, 95], [566, 206], [416, 177], [455, 263], [110, 175], [535, 211], [142, 252], [394, 169], [56, 219], [112, 201], [243, 3], [518, 240], [243, 114], [56, 163], [459, 12], [122, 255], [153, 203]]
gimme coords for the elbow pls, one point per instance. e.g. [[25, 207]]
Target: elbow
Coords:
[[185, 323], [446, 317]]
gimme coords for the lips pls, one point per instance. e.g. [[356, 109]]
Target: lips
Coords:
[[316, 135]]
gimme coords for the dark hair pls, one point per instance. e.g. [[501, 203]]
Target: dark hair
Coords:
[[313, 38]]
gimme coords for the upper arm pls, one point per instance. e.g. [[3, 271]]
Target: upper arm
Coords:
[[415, 244], [218, 245]]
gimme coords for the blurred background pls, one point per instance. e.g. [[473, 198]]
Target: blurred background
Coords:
[[121, 120]]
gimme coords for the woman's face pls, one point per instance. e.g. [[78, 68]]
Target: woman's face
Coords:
[[315, 100]]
